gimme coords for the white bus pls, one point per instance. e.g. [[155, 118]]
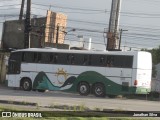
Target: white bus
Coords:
[[98, 72]]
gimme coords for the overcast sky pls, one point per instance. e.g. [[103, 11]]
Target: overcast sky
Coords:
[[140, 17]]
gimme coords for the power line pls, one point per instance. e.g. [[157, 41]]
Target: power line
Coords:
[[143, 44], [10, 5], [77, 29], [133, 30], [104, 24], [128, 35], [84, 12], [9, 8], [71, 8], [151, 1], [147, 35], [130, 14]]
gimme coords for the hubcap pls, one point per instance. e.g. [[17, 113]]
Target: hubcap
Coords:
[[83, 89], [98, 90], [26, 85]]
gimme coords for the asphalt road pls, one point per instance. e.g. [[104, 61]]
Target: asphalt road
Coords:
[[51, 98]]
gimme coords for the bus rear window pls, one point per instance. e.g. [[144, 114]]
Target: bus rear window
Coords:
[[120, 61]]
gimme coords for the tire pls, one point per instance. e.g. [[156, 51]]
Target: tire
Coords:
[[99, 90], [83, 88], [26, 84]]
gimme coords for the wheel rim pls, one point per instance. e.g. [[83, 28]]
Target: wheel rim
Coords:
[[98, 90], [26, 85], [83, 89]]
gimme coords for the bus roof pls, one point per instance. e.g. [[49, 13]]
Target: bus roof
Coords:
[[79, 51]]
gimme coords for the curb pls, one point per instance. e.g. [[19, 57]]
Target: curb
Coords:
[[17, 102]]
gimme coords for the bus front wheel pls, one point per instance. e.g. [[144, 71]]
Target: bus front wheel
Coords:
[[83, 88], [99, 90], [26, 84]]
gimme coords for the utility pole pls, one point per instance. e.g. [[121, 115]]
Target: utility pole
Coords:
[[27, 25], [21, 11], [121, 31], [113, 31], [57, 35]]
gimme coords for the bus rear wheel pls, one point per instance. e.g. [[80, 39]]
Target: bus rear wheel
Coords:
[[83, 88], [26, 84], [99, 90]]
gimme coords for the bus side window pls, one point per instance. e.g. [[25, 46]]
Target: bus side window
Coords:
[[85, 60], [89, 60], [39, 57], [62, 59], [78, 59], [28, 57], [34, 57], [68, 58], [72, 59], [128, 61], [45, 58], [55, 58], [102, 60], [119, 61], [51, 58], [110, 61], [23, 57]]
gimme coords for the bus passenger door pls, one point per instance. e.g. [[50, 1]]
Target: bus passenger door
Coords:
[[13, 70]]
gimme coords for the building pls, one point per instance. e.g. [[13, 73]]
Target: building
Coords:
[[43, 31], [55, 22]]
